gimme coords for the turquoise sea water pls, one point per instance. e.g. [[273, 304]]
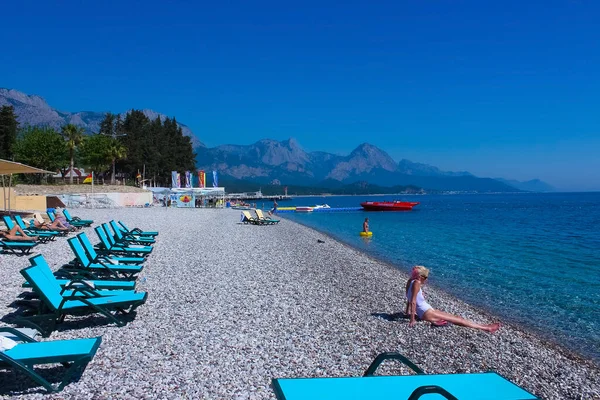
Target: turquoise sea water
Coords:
[[532, 259]]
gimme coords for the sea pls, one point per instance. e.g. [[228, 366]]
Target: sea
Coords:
[[532, 259]]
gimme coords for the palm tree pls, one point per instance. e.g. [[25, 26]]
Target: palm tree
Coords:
[[74, 137], [117, 152]]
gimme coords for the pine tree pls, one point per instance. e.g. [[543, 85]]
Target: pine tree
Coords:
[[8, 131]]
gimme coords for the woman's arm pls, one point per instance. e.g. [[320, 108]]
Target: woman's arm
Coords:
[[413, 301]]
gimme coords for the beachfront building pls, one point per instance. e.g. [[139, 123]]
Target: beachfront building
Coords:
[[213, 197]]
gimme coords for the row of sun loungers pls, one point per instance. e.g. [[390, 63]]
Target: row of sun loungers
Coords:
[[101, 279], [260, 218], [43, 236]]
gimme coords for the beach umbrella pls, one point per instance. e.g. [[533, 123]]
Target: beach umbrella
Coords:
[[10, 167]]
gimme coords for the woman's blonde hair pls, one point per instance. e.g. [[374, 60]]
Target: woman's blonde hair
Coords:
[[419, 270]]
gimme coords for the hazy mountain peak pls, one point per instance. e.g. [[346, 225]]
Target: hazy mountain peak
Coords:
[[33, 110], [418, 169]]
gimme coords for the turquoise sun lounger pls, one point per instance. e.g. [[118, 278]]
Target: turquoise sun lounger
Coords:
[[137, 231], [106, 258], [35, 229], [42, 236], [74, 354], [76, 220], [17, 247], [69, 280], [108, 245], [55, 307], [129, 238], [476, 386], [84, 264]]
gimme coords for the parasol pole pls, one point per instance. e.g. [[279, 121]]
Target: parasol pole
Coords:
[[4, 192], [9, 186], [92, 189]]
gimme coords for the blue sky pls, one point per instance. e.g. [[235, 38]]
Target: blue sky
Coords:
[[501, 89]]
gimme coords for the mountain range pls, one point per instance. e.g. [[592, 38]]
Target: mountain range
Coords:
[[285, 162], [32, 110]]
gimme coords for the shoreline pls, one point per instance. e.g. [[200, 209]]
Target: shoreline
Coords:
[[231, 306], [524, 329]]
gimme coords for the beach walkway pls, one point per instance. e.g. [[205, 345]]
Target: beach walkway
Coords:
[[231, 306]]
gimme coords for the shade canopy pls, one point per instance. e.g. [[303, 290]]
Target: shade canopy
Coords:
[[11, 167]]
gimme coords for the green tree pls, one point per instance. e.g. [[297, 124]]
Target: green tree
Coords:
[[116, 151], [107, 126], [42, 148], [94, 152], [73, 135], [8, 131]]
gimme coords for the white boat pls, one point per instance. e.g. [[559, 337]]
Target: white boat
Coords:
[[321, 206]]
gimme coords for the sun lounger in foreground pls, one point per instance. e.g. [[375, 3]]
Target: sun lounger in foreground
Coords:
[[74, 354], [55, 307], [475, 386], [69, 279], [17, 247]]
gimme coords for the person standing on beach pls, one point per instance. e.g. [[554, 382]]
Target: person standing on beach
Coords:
[[418, 306], [274, 206], [366, 225]]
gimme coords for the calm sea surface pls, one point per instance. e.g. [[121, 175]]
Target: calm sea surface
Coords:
[[533, 259]]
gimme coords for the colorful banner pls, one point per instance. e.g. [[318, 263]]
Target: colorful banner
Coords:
[[201, 179], [178, 180], [215, 180], [174, 179], [188, 179]]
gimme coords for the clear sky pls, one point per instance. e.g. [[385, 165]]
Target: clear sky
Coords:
[[501, 89]]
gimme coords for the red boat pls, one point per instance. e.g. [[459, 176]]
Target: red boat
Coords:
[[388, 205]]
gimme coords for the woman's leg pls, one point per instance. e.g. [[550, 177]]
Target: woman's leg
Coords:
[[16, 233], [436, 316], [58, 226]]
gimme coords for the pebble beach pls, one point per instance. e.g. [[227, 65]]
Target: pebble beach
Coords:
[[231, 306]]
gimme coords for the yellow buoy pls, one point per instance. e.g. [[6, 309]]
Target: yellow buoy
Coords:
[[366, 233]]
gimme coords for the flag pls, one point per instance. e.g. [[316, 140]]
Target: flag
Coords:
[[215, 181], [178, 180], [174, 179], [188, 179], [88, 179], [201, 178]]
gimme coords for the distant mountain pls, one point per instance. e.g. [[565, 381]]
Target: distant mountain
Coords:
[[269, 161], [407, 167], [534, 185], [33, 110]]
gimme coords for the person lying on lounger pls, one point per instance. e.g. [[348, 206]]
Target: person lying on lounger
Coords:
[[12, 235], [57, 225], [418, 306]]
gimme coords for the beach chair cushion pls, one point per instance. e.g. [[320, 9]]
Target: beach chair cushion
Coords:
[[74, 354], [477, 386]]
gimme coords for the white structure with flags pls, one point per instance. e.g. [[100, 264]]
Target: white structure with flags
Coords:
[[190, 197]]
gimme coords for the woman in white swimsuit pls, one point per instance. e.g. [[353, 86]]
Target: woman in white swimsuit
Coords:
[[418, 306]]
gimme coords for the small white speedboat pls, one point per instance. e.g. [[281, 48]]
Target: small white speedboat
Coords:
[[321, 206]]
